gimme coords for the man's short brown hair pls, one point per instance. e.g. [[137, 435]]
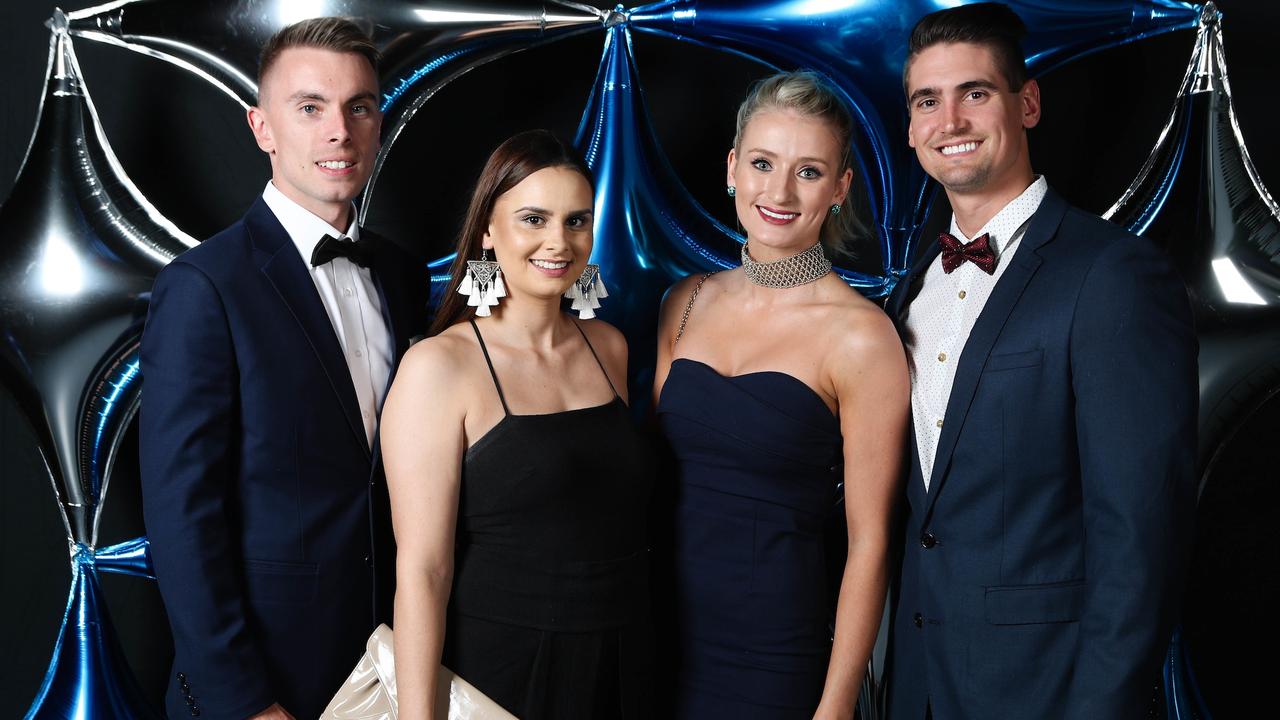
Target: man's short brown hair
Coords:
[[325, 33], [989, 24]]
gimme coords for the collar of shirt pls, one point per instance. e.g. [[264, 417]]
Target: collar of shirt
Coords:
[[303, 227], [1003, 228]]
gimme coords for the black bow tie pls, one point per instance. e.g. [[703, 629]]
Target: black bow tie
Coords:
[[359, 251]]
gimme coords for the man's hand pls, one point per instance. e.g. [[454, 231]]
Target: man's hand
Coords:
[[275, 712]]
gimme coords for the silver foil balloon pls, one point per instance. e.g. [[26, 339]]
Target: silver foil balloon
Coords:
[[219, 40], [861, 46], [1199, 197], [76, 264]]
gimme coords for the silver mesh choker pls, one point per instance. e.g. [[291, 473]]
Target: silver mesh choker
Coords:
[[790, 272]]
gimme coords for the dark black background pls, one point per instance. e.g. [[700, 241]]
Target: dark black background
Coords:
[[188, 148]]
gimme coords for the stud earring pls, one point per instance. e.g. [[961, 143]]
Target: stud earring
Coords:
[[483, 284], [835, 209], [732, 191], [586, 291]]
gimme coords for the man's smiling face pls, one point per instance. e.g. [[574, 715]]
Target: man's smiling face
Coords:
[[967, 126]]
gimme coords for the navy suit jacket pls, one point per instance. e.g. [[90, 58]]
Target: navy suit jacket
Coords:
[[1042, 568], [264, 504]]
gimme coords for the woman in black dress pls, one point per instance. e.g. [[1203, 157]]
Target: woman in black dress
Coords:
[[518, 483]]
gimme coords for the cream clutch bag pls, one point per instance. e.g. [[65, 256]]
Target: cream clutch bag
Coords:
[[370, 691]]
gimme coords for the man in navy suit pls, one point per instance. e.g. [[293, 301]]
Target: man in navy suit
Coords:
[[266, 356], [1053, 368]]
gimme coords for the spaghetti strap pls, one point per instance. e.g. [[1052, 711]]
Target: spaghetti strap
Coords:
[[497, 385], [689, 308], [597, 357]]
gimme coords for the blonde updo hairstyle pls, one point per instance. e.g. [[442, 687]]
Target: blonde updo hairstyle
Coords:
[[809, 94]]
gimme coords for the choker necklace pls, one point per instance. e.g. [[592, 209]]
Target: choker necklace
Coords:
[[790, 272]]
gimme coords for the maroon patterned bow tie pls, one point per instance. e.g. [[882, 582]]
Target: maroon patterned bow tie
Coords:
[[977, 251]]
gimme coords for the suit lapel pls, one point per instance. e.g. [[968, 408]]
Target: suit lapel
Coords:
[[910, 285], [1004, 297], [288, 274]]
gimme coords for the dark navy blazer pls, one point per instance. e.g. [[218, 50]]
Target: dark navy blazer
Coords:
[[1041, 570], [261, 496]]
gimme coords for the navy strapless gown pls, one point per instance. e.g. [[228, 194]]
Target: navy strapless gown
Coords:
[[758, 458]]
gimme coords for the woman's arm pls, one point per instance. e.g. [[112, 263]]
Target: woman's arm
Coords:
[[423, 440], [869, 374]]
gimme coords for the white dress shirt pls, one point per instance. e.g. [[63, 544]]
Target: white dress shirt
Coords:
[[351, 300], [941, 317]]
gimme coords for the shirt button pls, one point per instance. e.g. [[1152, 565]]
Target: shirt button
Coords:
[[962, 294], [939, 423], [346, 291], [942, 357], [359, 352]]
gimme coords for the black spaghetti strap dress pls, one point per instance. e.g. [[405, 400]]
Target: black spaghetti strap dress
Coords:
[[549, 610]]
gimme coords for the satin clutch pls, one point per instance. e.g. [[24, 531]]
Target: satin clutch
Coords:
[[369, 693]]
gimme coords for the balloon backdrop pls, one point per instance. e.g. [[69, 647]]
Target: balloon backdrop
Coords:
[[83, 244], [76, 265], [1199, 196]]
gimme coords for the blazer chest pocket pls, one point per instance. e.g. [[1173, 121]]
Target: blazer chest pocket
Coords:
[[1010, 361], [276, 581], [1031, 604]]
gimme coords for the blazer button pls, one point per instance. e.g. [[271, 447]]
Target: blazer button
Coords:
[[927, 541], [182, 677], [918, 619], [195, 712]]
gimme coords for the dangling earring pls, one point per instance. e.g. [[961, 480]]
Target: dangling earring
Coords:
[[586, 291], [732, 191], [835, 209], [483, 284]]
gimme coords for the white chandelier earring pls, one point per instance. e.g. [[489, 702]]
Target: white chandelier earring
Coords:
[[483, 284], [586, 291]]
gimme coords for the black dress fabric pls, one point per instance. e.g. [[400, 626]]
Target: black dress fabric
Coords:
[[549, 610], [758, 459]]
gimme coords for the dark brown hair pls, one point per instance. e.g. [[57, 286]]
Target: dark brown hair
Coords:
[[989, 24], [515, 159], [324, 33]]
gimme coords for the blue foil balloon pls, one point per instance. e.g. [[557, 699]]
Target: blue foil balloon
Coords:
[[861, 44], [88, 677], [80, 249], [648, 231]]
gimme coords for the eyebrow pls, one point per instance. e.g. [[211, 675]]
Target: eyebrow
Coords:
[[762, 151], [313, 95], [544, 211], [962, 87]]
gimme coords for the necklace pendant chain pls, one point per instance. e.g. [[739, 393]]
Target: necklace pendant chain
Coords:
[[794, 271]]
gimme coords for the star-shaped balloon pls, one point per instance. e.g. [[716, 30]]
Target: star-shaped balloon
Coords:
[[77, 259]]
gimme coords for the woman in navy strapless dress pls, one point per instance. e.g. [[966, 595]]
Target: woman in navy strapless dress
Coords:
[[779, 391]]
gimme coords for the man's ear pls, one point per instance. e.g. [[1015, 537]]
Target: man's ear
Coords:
[[261, 129], [1030, 95]]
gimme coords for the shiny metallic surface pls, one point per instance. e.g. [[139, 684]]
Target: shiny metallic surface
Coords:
[[861, 45], [1199, 195], [88, 677], [77, 260]]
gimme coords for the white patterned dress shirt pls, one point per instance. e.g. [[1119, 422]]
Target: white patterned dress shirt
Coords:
[[351, 300], [939, 320]]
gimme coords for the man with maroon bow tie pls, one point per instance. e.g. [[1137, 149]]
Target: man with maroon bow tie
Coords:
[[1053, 373]]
